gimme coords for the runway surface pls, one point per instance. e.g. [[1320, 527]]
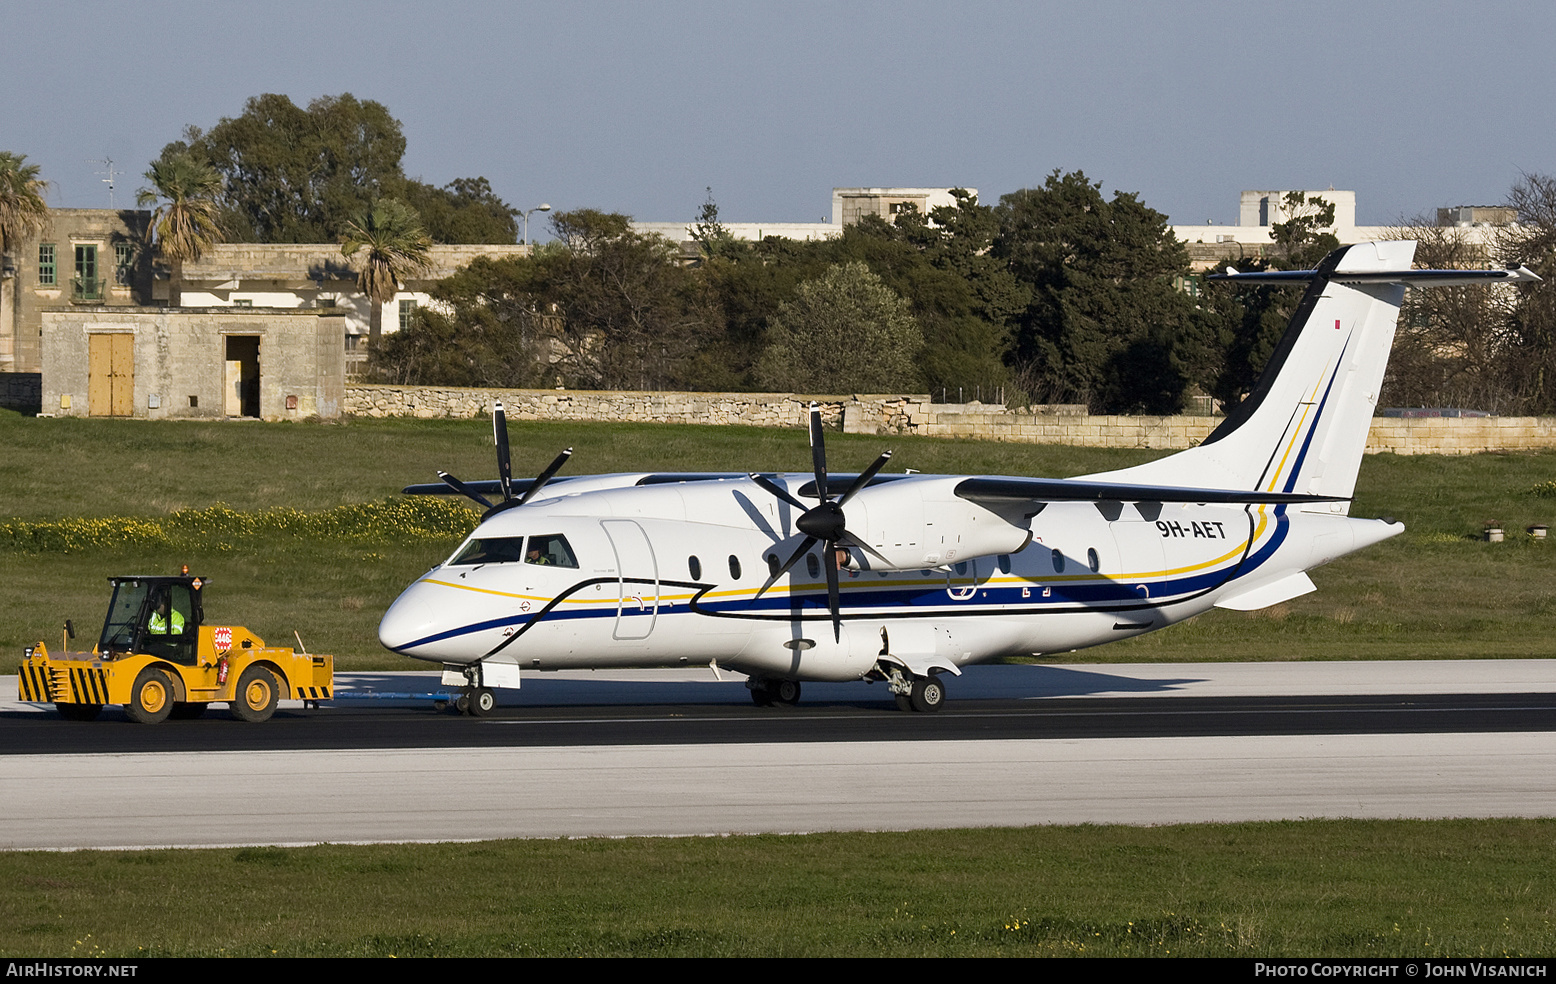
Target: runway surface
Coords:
[[677, 753]]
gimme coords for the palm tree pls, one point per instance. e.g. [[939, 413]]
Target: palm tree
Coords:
[[185, 225], [394, 246], [23, 213]]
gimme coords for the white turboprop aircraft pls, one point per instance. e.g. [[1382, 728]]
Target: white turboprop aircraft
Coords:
[[742, 571]]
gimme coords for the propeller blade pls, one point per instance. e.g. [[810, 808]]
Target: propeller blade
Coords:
[[547, 475], [805, 545], [833, 605], [818, 452], [463, 489], [865, 476], [500, 436], [777, 490]]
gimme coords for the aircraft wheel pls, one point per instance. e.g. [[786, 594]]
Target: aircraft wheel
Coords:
[[904, 702], [928, 694], [762, 695], [786, 692], [187, 711], [79, 712], [151, 697], [256, 696], [482, 702]]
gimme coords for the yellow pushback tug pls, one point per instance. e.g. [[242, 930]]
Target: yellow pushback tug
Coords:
[[158, 658]]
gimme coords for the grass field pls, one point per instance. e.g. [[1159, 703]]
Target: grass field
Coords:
[[1370, 888], [1434, 593], [1312, 888]]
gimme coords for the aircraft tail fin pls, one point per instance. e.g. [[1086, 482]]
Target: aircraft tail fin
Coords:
[[1304, 427]]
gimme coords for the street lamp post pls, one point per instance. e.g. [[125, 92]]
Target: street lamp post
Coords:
[[538, 208]]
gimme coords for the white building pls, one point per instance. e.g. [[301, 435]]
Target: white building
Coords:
[[1258, 211], [849, 205]]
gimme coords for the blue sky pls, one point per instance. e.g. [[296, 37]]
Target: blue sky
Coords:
[[638, 106]]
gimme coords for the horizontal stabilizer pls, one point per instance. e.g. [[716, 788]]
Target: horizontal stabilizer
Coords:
[[988, 490], [1410, 278]]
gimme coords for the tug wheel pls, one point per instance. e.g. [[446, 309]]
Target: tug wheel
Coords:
[[151, 697], [256, 696]]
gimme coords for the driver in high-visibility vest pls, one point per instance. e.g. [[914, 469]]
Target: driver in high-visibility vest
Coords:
[[166, 620]]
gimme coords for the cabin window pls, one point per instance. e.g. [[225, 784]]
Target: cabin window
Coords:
[[812, 565], [734, 567], [1058, 556], [490, 550], [1092, 560], [773, 564], [961, 568], [694, 567], [550, 550], [1004, 562]]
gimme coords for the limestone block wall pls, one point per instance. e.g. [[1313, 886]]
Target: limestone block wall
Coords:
[[888, 414]]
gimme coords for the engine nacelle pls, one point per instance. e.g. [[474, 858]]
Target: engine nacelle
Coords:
[[919, 524]]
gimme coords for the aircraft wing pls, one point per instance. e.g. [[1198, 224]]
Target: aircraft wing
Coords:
[[990, 490], [493, 486]]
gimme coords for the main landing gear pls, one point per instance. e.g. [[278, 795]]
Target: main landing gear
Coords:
[[912, 693], [766, 693], [916, 693]]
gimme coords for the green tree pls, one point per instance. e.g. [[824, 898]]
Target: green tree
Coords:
[[1249, 321], [296, 175], [1531, 324], [603, 307], [710, 234], [496, 331], [465, 210], [393, 246], [844, 332], [632, 317], [1301, 241], [1449, 347], [962, 295], [1107, 324], [23, 211], [185, 223]]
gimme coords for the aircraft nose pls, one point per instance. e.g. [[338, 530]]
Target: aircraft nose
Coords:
[[410, 618]]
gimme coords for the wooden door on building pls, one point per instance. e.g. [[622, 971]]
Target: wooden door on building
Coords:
[[241, 381], [110, 384]]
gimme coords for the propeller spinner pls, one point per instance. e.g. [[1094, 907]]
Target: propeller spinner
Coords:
[[505, 471], [825, 521]]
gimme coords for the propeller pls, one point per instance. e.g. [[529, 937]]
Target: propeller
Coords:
[[825, 521], [505, 471]]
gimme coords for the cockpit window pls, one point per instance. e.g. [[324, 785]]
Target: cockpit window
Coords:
[[491, 550], [552, 550]]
